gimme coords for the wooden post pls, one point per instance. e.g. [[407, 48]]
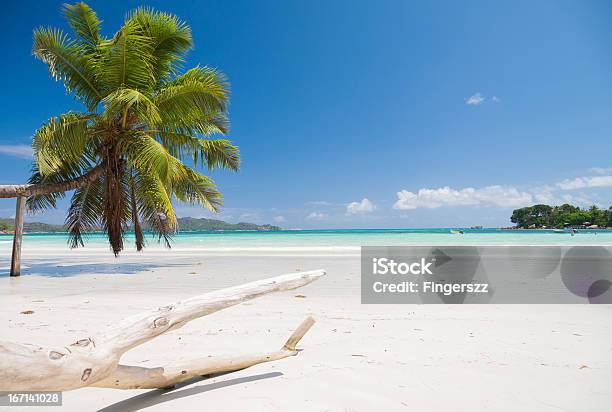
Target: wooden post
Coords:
[[16, 258]]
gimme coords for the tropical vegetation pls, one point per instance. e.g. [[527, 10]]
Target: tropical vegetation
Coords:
[[192, 223], [566, 215], [185, 223], [5, 226], [146, 126]]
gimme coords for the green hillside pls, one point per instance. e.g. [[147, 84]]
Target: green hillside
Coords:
[[6, 225], [185, 224], [192, 223]]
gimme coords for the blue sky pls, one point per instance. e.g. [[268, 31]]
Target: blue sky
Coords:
[[436, 113]]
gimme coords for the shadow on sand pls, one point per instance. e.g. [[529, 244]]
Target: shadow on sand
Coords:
[[158, 396], [61, 268]]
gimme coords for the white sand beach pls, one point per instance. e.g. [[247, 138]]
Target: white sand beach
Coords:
[[356, 357]]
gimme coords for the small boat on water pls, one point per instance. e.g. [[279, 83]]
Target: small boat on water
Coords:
[[456, 232], [558, 230]]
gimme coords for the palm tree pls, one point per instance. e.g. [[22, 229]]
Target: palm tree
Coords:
[[125, 152]]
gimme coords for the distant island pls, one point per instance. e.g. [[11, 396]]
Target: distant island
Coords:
[[186, 224], [192, 223], [6, 226], [558, 217]]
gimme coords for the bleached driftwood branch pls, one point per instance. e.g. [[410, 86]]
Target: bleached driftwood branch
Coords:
[[135, 377], [94, 361]]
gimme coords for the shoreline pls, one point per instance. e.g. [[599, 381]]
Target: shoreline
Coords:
[[351, 230], [265, 250]]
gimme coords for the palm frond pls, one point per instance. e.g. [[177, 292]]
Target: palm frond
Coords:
[[202, 85], [126, 60], [68, 171], [155, 206], [195, 123], [60, 141], [147, 155], [124, 102], [39, 203], [84, 23], [67, 62], [84, 214], [212, 153], [194, 101], [171, 39], [191, 187]]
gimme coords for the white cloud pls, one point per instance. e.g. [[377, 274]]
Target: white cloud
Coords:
[[316, 216], [550, 195], [601, 170], [475, 99], [585, 182], [495, 99], [279, 219], [18, 150], [365, 206], [544, 194], [502, 196], [580, 200]]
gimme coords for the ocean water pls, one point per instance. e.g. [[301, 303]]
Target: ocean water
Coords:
[[348, 238]]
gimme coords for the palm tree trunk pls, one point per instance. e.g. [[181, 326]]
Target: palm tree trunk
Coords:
[[16, 257], [113, 218], [135, 221]]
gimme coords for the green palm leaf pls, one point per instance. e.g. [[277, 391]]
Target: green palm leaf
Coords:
[[155, 206], [170, 36], [126, 60], [214, 153], [191, 187], [40, 203], [147, 155], [193, 101], [84, 214], [125, 102], [68, 62], [60, 141], [85, 24]]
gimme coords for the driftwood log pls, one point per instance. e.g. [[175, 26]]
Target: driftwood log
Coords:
[[94, 361]]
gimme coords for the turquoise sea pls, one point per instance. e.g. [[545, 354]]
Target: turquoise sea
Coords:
[[340, 238]]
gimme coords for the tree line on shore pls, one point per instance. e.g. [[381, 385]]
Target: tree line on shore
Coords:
[[5, 227], [566, 215], [184, 223]]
